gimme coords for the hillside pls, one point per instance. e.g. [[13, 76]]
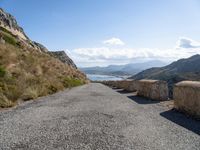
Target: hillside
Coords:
[[27, 69], [120, 70], [183, 69]]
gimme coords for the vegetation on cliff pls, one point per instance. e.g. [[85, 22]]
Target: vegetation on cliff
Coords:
[[27, 74]]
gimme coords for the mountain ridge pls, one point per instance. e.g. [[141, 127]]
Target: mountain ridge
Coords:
[[128, 69]]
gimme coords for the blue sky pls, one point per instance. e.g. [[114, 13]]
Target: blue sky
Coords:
[[103, 32]]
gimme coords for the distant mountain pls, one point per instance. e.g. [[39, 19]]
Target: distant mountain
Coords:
[[183, 69], [120, 70]]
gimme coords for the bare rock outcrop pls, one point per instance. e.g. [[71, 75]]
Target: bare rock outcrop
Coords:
[[8, 22], [62, 56], [9, 25]]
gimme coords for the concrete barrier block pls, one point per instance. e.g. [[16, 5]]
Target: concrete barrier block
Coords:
[[153, 89], [132, 86], [187, 97], [124, 84]]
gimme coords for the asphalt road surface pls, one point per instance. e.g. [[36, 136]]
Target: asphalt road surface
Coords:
[[94, 117]]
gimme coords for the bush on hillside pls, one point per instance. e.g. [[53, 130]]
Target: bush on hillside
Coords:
[[2, 72], [71, 82], [10, 39]]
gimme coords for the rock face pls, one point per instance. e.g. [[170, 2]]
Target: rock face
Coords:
[[40, 46], [8, 25], [8, 22], [36, 72], [187, 97], [62, 56]]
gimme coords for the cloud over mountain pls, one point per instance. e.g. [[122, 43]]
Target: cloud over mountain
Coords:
[[184, 42], [103, 56]]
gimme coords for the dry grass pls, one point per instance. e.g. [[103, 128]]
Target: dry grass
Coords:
[[27, 74]]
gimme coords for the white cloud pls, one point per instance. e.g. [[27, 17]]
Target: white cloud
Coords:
[[102, 56], [184, 42], [114, 41]]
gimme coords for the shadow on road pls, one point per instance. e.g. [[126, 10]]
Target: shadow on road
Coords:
[[142, 100], [172, 115], [138, 99], [121, 91], [182, 120], [115, 88]]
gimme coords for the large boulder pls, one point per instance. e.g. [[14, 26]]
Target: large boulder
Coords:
[[187, 97]]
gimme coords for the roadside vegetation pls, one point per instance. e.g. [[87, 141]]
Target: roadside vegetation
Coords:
[[26, 74]]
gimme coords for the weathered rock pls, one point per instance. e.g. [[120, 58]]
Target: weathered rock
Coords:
[[8, 22], [153, 89], [187, 97], [40, 46], [62, 56], [9, 25]]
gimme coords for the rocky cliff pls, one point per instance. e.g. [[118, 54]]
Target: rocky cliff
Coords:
[[8, 22], [27, 69], [62, 56], [9, 25]]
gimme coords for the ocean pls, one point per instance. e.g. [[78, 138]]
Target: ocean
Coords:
[[95, 77]]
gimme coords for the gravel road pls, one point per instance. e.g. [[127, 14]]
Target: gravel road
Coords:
[[94, 117]]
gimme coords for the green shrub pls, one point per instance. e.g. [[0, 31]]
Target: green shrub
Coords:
[[2, 72], [72, 82], [10, 39]]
